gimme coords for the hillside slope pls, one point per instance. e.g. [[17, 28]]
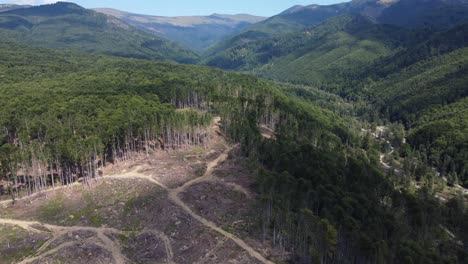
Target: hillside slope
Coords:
[[195, 32], [442, 131], [69, 26], [425, 87], [315, 55], [404, 72], [410, 14]]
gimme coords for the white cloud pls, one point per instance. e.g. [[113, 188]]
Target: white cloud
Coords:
[[28, 2]]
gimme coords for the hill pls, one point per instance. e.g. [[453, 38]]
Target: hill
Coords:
[[440, 132], [432, 70], [69, 26], [424, 87], [6, 7], [194, 32], [314, 55], [410, 14]]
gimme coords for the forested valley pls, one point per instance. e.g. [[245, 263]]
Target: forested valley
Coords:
[[402, 75], [357, 143]]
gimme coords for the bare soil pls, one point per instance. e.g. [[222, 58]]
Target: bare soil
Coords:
[[168, 207], [222, 202], [88, 252]]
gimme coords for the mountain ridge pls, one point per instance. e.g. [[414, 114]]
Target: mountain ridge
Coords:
[[69, 26], [444, 15], [195, 32], [6, 7]]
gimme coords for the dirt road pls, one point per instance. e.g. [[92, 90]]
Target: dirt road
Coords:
[[173, 194], [59, 231]]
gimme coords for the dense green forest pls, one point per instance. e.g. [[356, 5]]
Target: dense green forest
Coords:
[[65, 114], [441, 135], [408, 14], [337, 48], [415, 77], [61, 122], [412, 84], [400, 72]]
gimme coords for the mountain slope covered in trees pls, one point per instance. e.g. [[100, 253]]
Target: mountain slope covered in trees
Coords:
[[438, 14], [341, 45], [69, 26], [402, 71], [413, 84]]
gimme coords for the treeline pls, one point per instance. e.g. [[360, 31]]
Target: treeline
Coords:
[[60, 139], [63, 123], [64, 116]]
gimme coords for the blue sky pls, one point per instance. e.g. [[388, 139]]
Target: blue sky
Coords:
[[189, 7]]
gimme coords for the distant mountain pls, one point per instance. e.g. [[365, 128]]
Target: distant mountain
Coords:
[[314, 55], [440, 14], [6, 7], [404, 13], [412, 14], [69, 26], [195, 32]]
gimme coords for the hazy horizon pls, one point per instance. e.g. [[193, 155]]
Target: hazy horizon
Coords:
[[186, 7]]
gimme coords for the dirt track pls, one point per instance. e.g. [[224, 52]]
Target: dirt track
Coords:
[[114, 247], [207, 177], [58, 231]]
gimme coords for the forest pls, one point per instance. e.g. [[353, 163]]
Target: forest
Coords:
[[331, 186], [389, 73], [324, 197]]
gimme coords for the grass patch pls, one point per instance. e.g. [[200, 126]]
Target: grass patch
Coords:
[[90, 211], [52, 210], [198, 149]]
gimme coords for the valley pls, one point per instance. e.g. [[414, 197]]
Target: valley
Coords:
[[195, 32]]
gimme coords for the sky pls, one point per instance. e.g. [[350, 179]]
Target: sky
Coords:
[[188, 7]]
